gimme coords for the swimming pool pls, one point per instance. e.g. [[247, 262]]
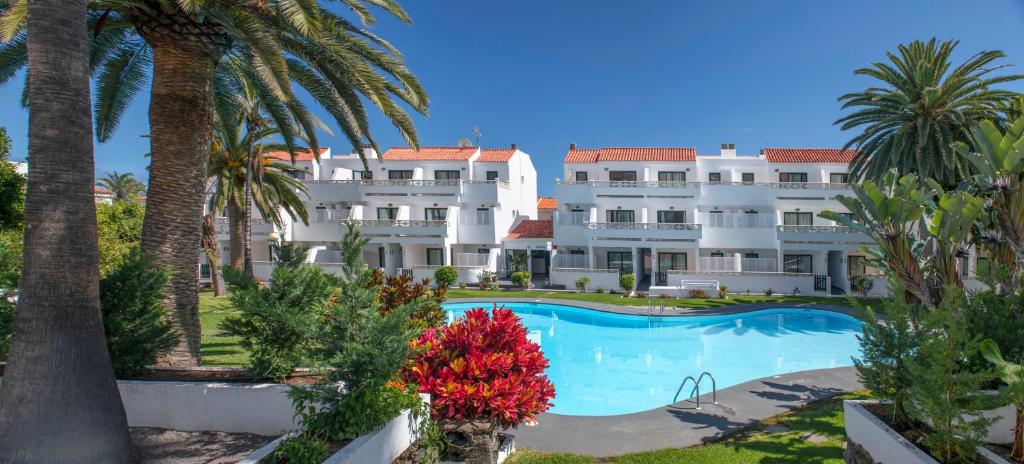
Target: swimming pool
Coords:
[[606, 364]]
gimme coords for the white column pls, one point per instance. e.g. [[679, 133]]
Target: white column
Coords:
[[591, 257]]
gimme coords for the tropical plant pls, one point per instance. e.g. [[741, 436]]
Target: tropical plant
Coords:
[[276, 322], [134, 318], [626, 282], [1012, 374], [581, 283], [396, 291], [922, 106], [445, 276], [487, 278], [697, 293], [522, 279], [12, 188], [517, 260], [58, 328], [482, 373], [125, 187], [180, 43]]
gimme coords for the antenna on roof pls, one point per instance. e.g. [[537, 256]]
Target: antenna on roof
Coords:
[[464, 142], [476, 134]]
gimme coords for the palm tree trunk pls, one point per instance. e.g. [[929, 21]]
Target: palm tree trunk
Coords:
[[236, 233], [180, 118], [212, 248], [59, 400]]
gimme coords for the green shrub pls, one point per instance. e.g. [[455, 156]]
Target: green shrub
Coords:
[[276, 323], [487, 278], [723, 292], [697, 293], [599, 290], [522, 279], [10, 270], [134, 319], [991, 315], [581, 283], [887, 344], [626, 282], [769, 291], [119, 231], [288, 254], [463, 285], [445, 276]]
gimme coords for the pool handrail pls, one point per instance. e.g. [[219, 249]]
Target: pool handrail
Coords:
[[675, 399], [714, 388]]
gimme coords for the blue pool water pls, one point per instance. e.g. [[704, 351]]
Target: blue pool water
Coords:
[[605, 364]]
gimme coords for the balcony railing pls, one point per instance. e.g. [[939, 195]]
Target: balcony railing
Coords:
[[817, 229], [633, 183], [641, 226], [410, 182], [731, 264], [810, 185], [471, 259], [738, 220], [573, 218], [674, 184], [570, 261], [398, 223]]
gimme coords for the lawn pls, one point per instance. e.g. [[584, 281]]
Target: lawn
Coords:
[[815, 436], [694, 303], [218, 350]]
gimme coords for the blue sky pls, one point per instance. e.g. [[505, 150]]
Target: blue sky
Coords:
[[545, 73]]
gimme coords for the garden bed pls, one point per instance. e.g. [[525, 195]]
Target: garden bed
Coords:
[[165, 446]]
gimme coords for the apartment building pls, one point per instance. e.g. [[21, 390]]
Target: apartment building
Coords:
[[420, 208], [678, 219]]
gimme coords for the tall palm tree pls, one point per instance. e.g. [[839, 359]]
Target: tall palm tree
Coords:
[[180, 42], [124, 186], [920, 109], [59, 401]]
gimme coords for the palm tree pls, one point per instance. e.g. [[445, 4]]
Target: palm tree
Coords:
[[910, 122], [180, 42], [124, 186], [242, 174], [59, 401]]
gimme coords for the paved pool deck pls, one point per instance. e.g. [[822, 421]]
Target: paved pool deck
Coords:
[[681, 425]]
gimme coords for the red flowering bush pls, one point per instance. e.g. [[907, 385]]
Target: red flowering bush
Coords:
[[482, 368]]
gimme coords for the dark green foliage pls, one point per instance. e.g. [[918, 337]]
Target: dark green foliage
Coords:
[[10, 270], [944, 392], [522, 279], [887, 344], [445, 276], [351, 246], [134, 318], [276, 323], [999, 318], [12, 188], [119, 231], [289, 255], [627, 281]]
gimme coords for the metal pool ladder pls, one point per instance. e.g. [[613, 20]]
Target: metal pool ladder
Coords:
[[696, 388], [650, 307]]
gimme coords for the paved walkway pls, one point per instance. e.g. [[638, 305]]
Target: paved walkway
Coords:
[[680, 426]]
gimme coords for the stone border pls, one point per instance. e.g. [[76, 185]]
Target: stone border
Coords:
[[737, 308]]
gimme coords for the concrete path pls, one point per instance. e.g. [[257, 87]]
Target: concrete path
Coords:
[[679, 425]]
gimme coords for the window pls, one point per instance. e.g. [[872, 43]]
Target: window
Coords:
[[380, 257], [621, 260], [435, 214], [399, 175], [581, 176], [387, 213], [714, 177], [362, 175], [620, 215], [446, 175], [492, 175], [483, 216], [717, 254], [856, 265], [671, 176], [792, 177], [839, 178], [848, 216], [797, 264], [797, 219], [483, 251], [748, 177], [622, 176], [671, 217], [577, 252], [671, 262], [300, 175], [751, 255], [435, 256]]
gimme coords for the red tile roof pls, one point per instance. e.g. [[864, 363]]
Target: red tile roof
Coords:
[[808, 155], [593, 155], [547, 203], [101, 191], [429, 154], [495, 155], [532, 228], [305, 155]]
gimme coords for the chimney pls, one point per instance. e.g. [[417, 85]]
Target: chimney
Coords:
[[728, 150], [572, 146], [369, 152], [515, 147]]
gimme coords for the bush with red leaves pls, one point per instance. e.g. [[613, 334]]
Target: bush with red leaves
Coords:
[[482, 367]]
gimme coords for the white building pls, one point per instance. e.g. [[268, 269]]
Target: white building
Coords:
[[420, 209], [677, 219]]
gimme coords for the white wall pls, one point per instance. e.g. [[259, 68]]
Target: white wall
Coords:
[[603, 280], [756, 283]]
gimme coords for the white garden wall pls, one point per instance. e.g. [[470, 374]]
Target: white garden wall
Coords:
[[883, 443], [757, 283], [600, 279]]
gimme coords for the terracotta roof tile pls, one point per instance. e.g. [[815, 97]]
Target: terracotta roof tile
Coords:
[[547, 203], [495, 155], [594, 155], [101, 191], [306, 155], [429, 154], [808, 155], [532, 228]]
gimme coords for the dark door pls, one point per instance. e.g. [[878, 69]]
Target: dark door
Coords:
[[540, 261]]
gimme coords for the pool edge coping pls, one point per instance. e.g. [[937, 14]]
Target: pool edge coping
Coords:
[[737, 308]]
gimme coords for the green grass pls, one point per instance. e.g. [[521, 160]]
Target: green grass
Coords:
[[694, 303], [218, 349], [824, 418]]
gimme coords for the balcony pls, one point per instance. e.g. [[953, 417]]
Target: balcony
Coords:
[[738, 220], [259, 227], [733, 264], [813, 237], [354, 189], [403, 230], [610, 233], [581, 192]]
